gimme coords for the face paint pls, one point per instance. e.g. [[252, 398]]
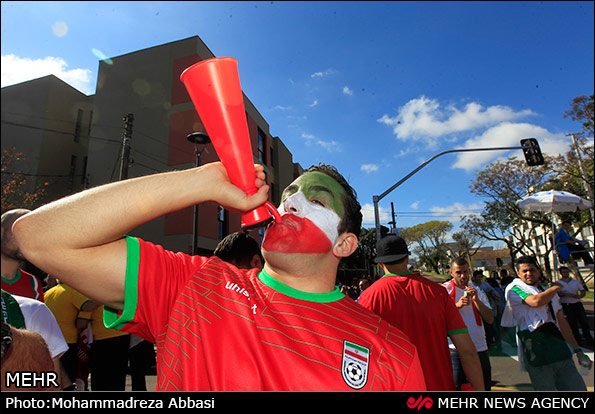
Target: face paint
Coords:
[[306, 227]]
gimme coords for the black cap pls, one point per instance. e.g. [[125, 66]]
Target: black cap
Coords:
[[390, 249]]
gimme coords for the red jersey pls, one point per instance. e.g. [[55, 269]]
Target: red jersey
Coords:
[[220, 328], [426, 313], [24, 284]]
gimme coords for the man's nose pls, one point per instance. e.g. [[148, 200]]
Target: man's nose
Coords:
[[292, 205], [292, 208]]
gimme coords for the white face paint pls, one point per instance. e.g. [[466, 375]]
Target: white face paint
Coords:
[[324, 218]]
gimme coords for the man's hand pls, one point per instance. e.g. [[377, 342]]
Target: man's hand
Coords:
[[583, 359], [223, 192], [466, 298]]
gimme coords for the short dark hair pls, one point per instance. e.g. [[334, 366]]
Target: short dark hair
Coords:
[[459, 261], [527, 260], [238, 249], [352, 219]]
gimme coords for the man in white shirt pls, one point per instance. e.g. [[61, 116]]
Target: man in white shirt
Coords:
[[543, 333], [474, 307], [570, 298]]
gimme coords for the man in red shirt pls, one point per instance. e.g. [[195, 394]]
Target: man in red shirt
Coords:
[[217, 327], [14, 279], [425, 312]]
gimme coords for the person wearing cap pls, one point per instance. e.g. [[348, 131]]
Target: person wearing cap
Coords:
[[425, 312]]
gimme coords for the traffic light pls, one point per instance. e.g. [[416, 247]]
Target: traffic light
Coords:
[[128, 119], [532, 152]]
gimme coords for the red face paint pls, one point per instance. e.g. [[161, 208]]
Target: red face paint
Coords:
[[295, 235]]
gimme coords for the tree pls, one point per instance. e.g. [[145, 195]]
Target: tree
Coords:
[[431, 246], [14, 184], [467, 243], [582, 111], [502, 184]]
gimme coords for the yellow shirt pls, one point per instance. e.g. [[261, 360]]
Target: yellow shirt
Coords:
[[65, 303]]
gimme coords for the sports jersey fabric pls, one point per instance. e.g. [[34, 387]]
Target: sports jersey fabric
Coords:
[[426, 313], [517, 313], [24, 284], [220, 328], [66, 303]]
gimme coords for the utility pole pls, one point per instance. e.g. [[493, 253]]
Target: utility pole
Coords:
[[586, 184], [126, 138], [393, 223]]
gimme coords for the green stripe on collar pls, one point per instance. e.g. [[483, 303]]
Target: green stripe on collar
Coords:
[[298, 294]]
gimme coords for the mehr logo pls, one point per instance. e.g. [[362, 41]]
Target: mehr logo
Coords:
[[355, 364]]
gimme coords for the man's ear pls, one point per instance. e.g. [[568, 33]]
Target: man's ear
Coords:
[[256, 262], [345, 245]]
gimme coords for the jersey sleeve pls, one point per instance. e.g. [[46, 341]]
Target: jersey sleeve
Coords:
[[517, 295], [154, 277]]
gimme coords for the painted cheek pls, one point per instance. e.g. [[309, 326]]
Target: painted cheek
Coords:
[[307, 238]]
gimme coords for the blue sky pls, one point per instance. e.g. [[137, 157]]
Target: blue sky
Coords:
[[374, 88]]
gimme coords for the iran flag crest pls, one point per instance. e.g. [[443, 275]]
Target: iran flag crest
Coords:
[[355, 364]]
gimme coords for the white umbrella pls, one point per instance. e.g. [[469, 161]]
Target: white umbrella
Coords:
[[553, 201]]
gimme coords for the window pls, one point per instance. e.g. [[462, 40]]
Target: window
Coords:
[[77, 129], [90, 122], [72, 172], [84, 174], [221, 231], [262, 146]]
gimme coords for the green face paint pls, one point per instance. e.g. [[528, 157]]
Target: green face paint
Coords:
[[320, 189]]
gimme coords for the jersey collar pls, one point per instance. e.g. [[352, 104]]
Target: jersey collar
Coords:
[[298, 294]]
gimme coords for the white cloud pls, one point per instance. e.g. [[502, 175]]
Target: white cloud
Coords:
[[282, 108], [456, 211], [423, 118], [16, 70], [347, 91], [368, 214], [328, 145], [508, 134], [322, 74], [369, 168], [414, 205], [313, 104]]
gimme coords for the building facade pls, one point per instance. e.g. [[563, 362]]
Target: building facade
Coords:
[[538, 241], [47, 121], [146, 84]]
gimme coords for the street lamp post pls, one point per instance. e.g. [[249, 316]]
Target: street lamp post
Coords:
[[376, 199], [197, 138]]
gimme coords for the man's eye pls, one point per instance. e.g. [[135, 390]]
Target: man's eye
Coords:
[[318, 202]]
